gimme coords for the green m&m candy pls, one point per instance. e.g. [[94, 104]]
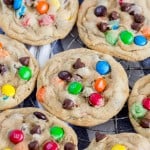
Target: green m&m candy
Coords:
[[25, 73], [75, 88], [111, 37], [126, 37], [57, 133], [137, 110]]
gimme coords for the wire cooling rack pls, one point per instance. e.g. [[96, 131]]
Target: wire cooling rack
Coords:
[[118, 124]]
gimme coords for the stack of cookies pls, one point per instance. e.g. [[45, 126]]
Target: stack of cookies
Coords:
[[83, 87]]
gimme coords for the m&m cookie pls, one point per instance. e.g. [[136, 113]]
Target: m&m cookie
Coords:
[[18, 72], [38, 22], [34, 129], [139, 106], [118, 28], [82, 87], [122, 141]]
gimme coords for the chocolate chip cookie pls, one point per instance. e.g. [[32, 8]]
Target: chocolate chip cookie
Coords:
[[116, 27], [82, 87], [34, 129], [38, 22], [18, 72], [139, 106], [122, 141]]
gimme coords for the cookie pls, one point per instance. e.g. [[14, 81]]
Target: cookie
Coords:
[[82, 87], [122, 141], [35, 129], [38, 22], [139, 106], [116, 27], [18, 72]]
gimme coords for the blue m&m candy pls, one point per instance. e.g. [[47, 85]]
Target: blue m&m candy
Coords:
[[140, 40], [21, 11], [103, 67], [17, 4]]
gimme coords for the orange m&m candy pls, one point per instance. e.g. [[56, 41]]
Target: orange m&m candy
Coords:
[[42, 7], [146, 32], [100, 84], [40, 94]]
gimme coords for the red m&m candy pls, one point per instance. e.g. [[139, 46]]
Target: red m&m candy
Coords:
[[16, 136], [96, 99], [146, 103], [50, 146]]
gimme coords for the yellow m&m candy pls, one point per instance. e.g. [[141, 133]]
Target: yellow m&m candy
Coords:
[[119, 147], [8, 90], [7, 149]]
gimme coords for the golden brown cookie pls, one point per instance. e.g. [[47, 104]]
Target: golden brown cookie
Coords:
[[34, 129], [119, 28], [83, 87], [139, 106], [18, 72], [122, 141], [38, 22]]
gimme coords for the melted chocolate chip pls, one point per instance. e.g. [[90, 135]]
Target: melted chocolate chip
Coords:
[[114, 15], [100, 11], [136, 26], [24, 61], [126, 7], [68, 104], [33, 145], [69, 146], [36, 130], [8, 2], [99, 136], [139, 18], [3, 69], [65, 75], [78, 64], [103, 27], [40, 115], [145, 123]]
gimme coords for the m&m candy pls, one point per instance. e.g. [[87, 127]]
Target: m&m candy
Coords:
[[103, 67], [100, 84], [126, 37], [140, 40], [57, 133], [8, 90], [42, 7], [7, 149], [50, 145], [96, 99], [146, 103], [75, 88], [16, 136], [17, 4], [25, 73], [118, 147]]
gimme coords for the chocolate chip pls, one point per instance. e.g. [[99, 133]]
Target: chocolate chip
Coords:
[[136, 26], [8, 2], [100, 11], [103, 27], [145, 123], [3, 69], [69, 146], [99, 136], [113, 15], [24, 61], [40, 115], [68, 104], [33, 145], [139, 18], [78, 64], [36, 130], [126, 7], [65, 75]]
